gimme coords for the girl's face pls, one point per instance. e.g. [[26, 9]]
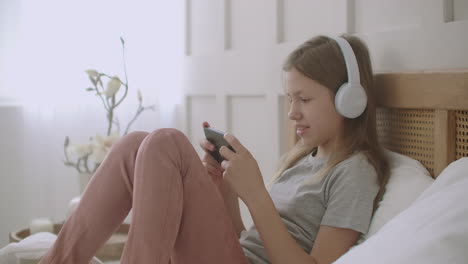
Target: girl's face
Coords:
[[313, 109]]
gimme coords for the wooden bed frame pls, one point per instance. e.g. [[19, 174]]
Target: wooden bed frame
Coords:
[[423, 115]]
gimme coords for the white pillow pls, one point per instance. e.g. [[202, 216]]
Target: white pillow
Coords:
[[434, 229], [408, 179]]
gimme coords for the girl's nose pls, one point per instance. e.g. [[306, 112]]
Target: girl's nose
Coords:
[[294, 115]]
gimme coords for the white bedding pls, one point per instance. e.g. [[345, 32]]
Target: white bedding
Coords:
[[408, 179], [30, 250], [433, 230]]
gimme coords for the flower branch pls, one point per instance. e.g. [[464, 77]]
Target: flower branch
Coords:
[[97, 148]]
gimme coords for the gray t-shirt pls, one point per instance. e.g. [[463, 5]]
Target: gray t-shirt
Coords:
[[344, 198]]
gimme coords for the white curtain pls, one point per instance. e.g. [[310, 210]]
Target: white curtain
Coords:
[[45, 48]]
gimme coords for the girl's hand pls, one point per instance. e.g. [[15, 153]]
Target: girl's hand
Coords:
[[212, 167], [241, 170]]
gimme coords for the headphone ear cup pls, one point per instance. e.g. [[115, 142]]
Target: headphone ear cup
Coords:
[[350, 100]]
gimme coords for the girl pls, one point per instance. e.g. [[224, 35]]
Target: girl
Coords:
[[186, 210]]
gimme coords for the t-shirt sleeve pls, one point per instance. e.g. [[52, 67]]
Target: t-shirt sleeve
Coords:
[[349, 195]]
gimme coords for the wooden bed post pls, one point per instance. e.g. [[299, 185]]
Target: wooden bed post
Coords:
[[444, 139]]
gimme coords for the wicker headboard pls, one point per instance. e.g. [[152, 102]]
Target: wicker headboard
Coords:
[[423, 115]]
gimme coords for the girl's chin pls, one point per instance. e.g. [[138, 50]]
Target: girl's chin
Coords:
[[307, 141]]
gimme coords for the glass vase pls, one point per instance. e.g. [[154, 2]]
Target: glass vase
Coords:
[[83, 180]]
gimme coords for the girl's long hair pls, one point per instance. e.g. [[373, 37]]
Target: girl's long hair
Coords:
[[321, 59]]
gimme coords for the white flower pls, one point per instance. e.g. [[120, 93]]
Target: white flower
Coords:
[[80, 150], [101, 146], [99, 154], [92, 73], [112, 86]]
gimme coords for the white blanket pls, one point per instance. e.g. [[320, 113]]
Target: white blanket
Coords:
[[30, 250], [433, 230]]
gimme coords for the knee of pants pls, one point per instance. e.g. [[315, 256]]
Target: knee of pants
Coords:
[[171, 141], [130, 141], [167, 134]]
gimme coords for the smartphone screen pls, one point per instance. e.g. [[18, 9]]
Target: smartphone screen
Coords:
[[216, 137]]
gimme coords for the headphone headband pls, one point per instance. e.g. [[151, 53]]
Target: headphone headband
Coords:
[[350, 60]]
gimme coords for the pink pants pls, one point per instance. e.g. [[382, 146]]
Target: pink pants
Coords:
[[179, 216]]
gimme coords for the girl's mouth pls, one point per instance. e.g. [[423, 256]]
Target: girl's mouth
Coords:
[[301, 130]]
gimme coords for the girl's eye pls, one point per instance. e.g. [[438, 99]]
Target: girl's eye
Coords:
[[305, 100]]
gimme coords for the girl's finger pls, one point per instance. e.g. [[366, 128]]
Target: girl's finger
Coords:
[[226, 153], [235, 143], [225, 164], [205, 124], [206, 145], [214, 174], [209, 159], [214, 169]]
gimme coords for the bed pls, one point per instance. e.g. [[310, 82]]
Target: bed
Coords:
[[423, 116]]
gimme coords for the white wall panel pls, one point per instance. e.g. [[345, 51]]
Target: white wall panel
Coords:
[[384, 15], [436, 12], [306, 18], [201, 108], [13, 188], [438, 46], [252, 24], [206, 31], [460, 10], [252, 122], [235, 72]]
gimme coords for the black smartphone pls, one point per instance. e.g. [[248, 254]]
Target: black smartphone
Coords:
[[216, 137]]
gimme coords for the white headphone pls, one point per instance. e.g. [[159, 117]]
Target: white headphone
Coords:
[[351, 98]]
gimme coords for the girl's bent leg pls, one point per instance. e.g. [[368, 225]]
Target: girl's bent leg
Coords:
[[104, 205], [179, 213], [177, 210]]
